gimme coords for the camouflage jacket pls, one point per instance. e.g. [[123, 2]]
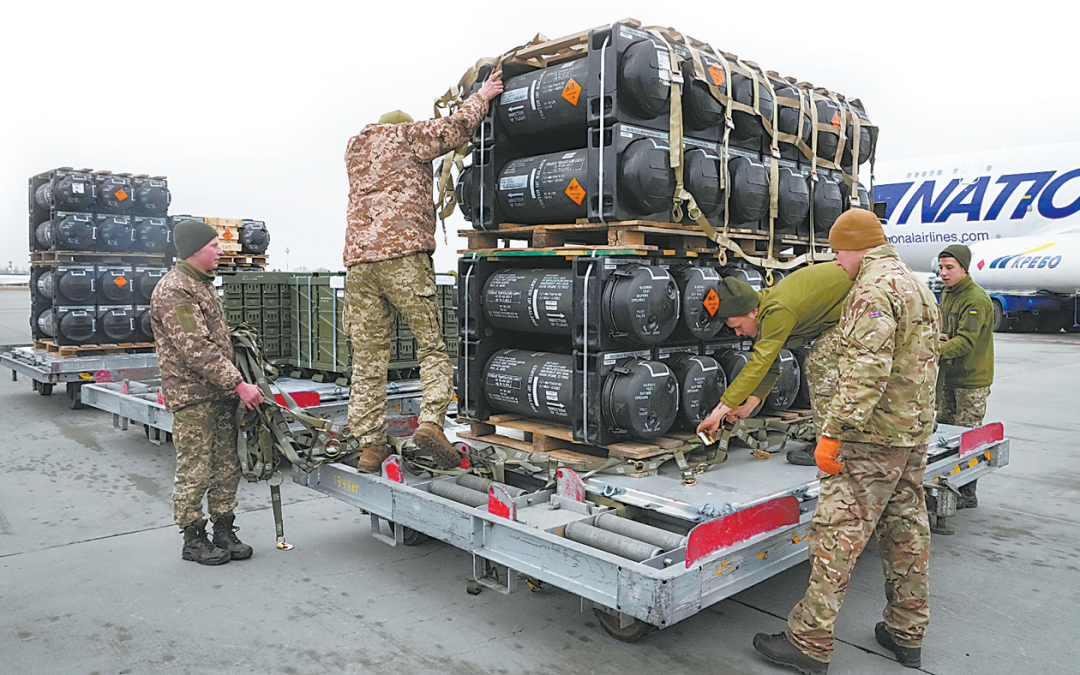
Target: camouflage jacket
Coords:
[[193, 344], [888, 363], [391, 208]]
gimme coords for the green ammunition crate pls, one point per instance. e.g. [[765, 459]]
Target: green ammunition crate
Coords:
[[253, 317], [271, 346], [234, 317], [406, 349]]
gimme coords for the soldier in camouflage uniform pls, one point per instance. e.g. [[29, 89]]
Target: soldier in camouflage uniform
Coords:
[[804, 306], [388, 246], [967, 351], [872, 453], [200, 386]]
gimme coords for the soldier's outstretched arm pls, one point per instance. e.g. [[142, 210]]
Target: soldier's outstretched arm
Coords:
[[184, 321], [865, 364], [761, 372], [431, 139]]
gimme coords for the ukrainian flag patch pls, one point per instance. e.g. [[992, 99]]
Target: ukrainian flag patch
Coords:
[[973, 311]]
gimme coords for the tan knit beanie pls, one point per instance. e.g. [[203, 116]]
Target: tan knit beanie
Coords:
[[855, 230]]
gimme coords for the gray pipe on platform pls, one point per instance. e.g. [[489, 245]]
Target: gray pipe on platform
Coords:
[[474, 482], [611, 542], [458, 493], [668, 541]]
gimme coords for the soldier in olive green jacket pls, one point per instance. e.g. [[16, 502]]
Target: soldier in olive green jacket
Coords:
[[967, 351], [802, 307]]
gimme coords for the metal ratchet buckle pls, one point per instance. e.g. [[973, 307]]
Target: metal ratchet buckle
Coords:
[[284, 545], [761, 454]]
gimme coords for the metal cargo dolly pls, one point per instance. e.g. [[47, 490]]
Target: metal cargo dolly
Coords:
[[46, 369]]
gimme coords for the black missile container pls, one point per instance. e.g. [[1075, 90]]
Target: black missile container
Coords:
[[114, 193], [143, 282], [701, 383], [151, 234], [152, 196], [254, 237], [114, 285], [115, 233], [699, 302], [64, 232], [116, 324]]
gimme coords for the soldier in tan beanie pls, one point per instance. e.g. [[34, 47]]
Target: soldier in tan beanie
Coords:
[[872, 454]]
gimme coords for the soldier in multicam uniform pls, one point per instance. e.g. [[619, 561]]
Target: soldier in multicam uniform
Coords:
[[803, 306], [873, 454], [200, 386], [967, 351], [388, 246]]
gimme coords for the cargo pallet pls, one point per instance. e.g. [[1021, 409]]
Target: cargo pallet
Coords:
[[72, 351], [638, 237], [101, 257], [46, 369], [742, 522], [244, 260]]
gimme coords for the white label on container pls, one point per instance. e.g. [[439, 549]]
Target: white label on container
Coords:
[[514, 95], [77, 188], [627, 31], [337, 282], [513, 182], [218, 281], [570, 155]]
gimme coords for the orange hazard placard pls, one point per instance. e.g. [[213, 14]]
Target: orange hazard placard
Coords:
[[575, 191], [717, 74], [120, 281], [836, 120], [571, 91], [121, 195], [711, 302], [226, 235]]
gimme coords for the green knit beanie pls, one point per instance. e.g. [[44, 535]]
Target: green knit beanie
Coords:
[[737, 298], [190, 236], [960, 252], [395, 117]]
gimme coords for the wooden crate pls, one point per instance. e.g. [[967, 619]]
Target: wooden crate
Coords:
[[98, 257], [231, 260], [71, 351], [228, 230]]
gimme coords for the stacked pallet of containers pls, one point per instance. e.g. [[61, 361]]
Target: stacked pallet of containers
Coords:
[[99, 242]]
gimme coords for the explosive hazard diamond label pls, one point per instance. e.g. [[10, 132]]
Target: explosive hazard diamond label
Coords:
[[226, 235], [836, 120], [121, 195], [717, 74], [120, 281], [575, 191], [571, 92], [711, 302]]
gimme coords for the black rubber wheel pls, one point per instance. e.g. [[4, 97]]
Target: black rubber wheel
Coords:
[[412, 537], [45, 388], [632, 633], [1001, 324], [74, 395], [1026, 322]]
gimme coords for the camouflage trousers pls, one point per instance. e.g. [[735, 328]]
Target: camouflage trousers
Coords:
[[822, 371], [962, 407], [879, 491], [206, 462], [372, 291]]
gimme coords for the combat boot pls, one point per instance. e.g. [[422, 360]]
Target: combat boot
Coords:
[[778, 649], [967, 499], [430, 438], [910, 657], [199, 549], [803, 456], [225, 538], [371, 457]]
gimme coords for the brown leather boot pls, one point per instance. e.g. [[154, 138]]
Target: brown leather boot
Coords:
[[371, 458], [430, 438]]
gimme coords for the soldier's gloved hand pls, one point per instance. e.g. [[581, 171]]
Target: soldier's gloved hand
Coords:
[[825, 455]]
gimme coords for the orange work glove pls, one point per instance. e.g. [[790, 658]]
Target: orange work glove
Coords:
[[825, 455]]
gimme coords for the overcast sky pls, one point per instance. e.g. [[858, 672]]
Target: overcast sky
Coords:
[[247, 106]]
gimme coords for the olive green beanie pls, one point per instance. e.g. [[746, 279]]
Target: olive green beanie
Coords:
[[395, 117], [960, 252], [190, 236], [856, 230], [737, 298]]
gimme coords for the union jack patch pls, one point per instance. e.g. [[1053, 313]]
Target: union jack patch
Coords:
[[875, 314]]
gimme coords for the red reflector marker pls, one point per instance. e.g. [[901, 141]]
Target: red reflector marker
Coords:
[[978, 438], [740, 526], [304, 399]]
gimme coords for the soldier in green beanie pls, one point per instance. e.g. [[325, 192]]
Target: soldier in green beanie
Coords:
[[201, 388], [967, 352], [803, 307]]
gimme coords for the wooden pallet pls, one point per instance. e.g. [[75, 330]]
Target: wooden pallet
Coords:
[[72, 351], [106, 257], [553, 439], [549, 52], [244, 260]]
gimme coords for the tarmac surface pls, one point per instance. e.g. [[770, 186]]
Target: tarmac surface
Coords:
[[92, 583]]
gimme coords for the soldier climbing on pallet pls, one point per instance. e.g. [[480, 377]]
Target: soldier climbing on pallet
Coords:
[[803, 306], [388, 245], [200, 386]]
